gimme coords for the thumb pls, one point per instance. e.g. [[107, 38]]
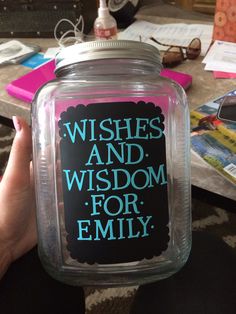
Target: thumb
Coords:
[[18, 168]]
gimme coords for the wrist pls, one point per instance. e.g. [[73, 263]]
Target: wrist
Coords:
[[5, 262]]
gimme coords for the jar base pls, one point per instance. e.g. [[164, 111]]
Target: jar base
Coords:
[[118, 278]]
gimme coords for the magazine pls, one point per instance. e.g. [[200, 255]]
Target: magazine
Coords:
[[214, 140]]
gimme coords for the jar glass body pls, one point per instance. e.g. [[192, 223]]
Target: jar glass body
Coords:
[[112, 174]]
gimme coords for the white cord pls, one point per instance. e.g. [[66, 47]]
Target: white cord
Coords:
[[78, 34]]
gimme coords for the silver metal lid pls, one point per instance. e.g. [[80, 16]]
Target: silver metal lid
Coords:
[[107, 49]]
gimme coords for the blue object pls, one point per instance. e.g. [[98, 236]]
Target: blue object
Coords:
[[35, 61]]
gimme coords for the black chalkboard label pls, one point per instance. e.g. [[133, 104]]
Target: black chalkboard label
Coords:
[[114, 177]]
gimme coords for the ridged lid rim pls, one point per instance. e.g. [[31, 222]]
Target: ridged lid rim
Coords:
[[107, 49]]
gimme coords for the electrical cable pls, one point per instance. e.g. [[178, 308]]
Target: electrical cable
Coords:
[[78, 33]]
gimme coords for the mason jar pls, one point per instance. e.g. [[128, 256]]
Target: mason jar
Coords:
[[111, 158]]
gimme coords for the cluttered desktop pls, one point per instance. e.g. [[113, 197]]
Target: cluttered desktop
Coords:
[[204, 75], [27, 59], [194, 60]]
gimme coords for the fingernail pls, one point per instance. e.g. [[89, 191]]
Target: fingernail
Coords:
[[17, 124]]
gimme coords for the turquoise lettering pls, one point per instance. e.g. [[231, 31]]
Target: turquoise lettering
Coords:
[[83, 229], [119, 156], [144, 224], [96, 203], [135, 182], [70, 180], [115, 200], [117, 173], [92, 137], [159, 177], [131, 202], [101, 179], [130, 153], [107, 130], [75, 129], [108, 229], [125, 128], [121, 231], [131, 232], [140, 128], [94, 154], [114, 229], [90, 179], [159, 132]]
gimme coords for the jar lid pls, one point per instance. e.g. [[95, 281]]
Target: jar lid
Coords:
[[107, 49]]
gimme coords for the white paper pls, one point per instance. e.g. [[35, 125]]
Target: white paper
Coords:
[[221, 57], [173, 34], [52, 52], [13, 49]]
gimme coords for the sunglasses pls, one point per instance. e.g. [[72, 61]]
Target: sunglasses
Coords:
[[175, 54]]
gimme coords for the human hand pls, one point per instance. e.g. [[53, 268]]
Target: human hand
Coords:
[[17, 202]]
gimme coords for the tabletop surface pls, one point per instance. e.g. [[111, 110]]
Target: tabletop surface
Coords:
[[203, 89]]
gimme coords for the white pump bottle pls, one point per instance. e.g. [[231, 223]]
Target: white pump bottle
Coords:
[[105, 26]]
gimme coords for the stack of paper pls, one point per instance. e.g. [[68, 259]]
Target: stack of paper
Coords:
[[172, 34], [13, 49], [221, 58]]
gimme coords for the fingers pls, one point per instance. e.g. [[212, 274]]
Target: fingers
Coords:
[[17, 203], [18, 167]]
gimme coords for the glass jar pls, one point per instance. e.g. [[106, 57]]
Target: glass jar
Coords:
[[111, 160]]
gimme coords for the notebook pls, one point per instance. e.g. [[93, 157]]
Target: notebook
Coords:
[[183, 79], [27, 85]]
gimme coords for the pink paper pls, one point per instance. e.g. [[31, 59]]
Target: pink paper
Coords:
[[219, 74]]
